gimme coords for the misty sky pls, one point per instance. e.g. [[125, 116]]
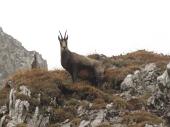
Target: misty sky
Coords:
[[107, 27]]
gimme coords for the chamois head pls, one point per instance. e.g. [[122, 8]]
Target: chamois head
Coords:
[[63, 41]]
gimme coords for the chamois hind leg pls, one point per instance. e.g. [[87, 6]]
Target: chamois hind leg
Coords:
[[74, 74]]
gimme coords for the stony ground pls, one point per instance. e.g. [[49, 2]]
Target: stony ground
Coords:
[[135, 93]]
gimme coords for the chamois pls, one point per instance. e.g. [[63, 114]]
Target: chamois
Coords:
[[75, 63]]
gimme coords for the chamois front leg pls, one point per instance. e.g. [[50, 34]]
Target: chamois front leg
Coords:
[[74, 74], [99, 76]]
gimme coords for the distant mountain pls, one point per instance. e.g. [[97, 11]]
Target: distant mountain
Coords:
[[13, 57]]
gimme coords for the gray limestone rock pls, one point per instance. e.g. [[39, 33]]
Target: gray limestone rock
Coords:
[[159, 102], [141, 81], [19, 110], [100, 115]]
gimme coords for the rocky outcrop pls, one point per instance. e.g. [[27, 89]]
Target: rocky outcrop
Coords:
[[14, 57], [141, 81], [18, 111], [160, 100], [95, 118], [149, 80]]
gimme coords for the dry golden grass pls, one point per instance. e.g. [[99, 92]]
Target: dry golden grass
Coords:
[[127, 64], [142, 57], [76, 122], [84, 91], [135, 104], [119, 103], [21, 125], [98, 104], [53, 84], [141, 118], [105, 125], [139, 102], [60, 115], [40, 82], [29, 77], [117, 75]]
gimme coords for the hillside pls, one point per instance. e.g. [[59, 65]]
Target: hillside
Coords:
[[135, 94]]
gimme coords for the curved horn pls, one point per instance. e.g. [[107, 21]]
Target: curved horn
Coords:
[[65, 35], [61, 35]]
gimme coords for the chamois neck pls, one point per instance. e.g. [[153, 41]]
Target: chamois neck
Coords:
[[65, 52], [65, 57]]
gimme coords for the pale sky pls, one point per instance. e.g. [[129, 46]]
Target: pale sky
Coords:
[[107, 27]]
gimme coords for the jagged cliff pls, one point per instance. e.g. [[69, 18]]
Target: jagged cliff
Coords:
[[135, 94], [14, 57]]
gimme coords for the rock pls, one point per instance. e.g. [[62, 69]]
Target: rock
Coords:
[[150, 67], [15, 57], [19, 110], [81, 110], [141, 81], [3, 110], [160, 99], [25, 91], [84, 123], [109, 106], [2, 122], [157, 100], [66, 125], [148, 125], [38, 120], [168, 69], [99, 118], [127, 83], [1, 31]]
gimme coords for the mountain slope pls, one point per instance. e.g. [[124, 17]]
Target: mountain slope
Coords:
[[49, 98]]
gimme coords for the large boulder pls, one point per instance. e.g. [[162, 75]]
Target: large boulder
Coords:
[[160, 100], [13, 57], [141, 81]]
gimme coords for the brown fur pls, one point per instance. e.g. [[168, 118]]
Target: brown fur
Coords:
[[77, 64]]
